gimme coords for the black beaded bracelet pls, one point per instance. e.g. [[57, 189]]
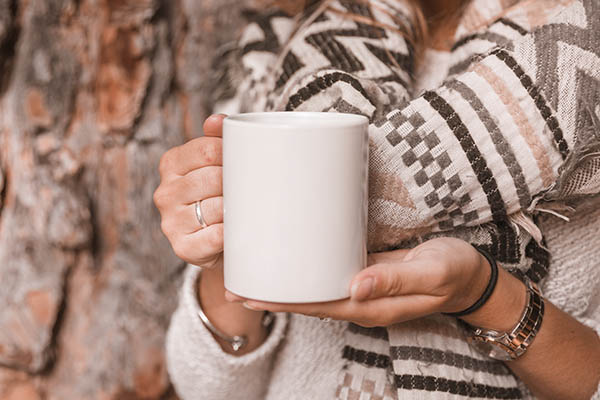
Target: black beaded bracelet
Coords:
[[487, 293]]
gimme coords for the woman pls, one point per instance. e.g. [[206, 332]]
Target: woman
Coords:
[[495, 136]]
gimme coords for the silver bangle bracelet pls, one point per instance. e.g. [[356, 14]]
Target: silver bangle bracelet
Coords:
[[236, 342]]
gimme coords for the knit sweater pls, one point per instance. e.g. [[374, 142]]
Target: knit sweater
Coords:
[[484, 146]]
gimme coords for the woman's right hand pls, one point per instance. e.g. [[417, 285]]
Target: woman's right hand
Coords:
[[189, 173]]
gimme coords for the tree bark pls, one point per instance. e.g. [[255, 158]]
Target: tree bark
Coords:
[[92, 93]]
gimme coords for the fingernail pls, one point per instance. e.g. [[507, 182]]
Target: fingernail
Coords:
[[362, 290], [229, 297], [251, 307]]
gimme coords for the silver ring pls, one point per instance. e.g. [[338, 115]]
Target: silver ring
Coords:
[[199, 216]]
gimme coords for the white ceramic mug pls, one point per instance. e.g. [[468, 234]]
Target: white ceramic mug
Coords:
[[295, 198]]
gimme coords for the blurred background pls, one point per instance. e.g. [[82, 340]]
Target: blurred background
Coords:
[[92, 92]]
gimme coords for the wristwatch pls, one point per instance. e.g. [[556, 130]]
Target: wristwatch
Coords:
[[507, 346]]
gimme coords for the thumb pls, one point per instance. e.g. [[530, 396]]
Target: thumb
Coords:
[[388, 280], [387, 256], [213, 126]]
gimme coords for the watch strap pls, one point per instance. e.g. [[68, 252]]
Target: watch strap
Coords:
[[512, 345]]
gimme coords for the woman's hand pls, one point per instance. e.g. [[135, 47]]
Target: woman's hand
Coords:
[[189, 173], [440, 275]]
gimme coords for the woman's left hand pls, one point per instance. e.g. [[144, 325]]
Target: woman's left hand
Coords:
[[440, 275]]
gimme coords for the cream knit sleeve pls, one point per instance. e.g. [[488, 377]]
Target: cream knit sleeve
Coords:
[[200, 369], [573, 282]]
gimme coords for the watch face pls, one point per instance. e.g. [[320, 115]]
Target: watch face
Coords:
[[491, 349]]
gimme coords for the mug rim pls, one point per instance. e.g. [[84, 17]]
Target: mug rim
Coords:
[[279, 119]]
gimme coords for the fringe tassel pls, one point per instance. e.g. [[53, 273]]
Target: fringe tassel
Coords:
[[520, 220]]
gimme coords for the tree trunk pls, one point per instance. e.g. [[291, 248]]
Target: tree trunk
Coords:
[[92, 92]]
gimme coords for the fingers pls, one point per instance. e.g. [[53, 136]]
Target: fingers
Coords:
[[327, 309], [189, 173], [378, 312], [198, 247], [200, 184], [387, 256], [197, 185], [212, 210], [195, 154], [388, 311], [365, 284], [183, 219], [232, 297], [393, 279], [213, 126]]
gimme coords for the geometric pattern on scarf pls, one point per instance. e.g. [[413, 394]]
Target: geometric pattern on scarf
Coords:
[[470, 159]]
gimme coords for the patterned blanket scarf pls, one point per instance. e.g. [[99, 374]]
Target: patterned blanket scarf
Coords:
[[512, 130]]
